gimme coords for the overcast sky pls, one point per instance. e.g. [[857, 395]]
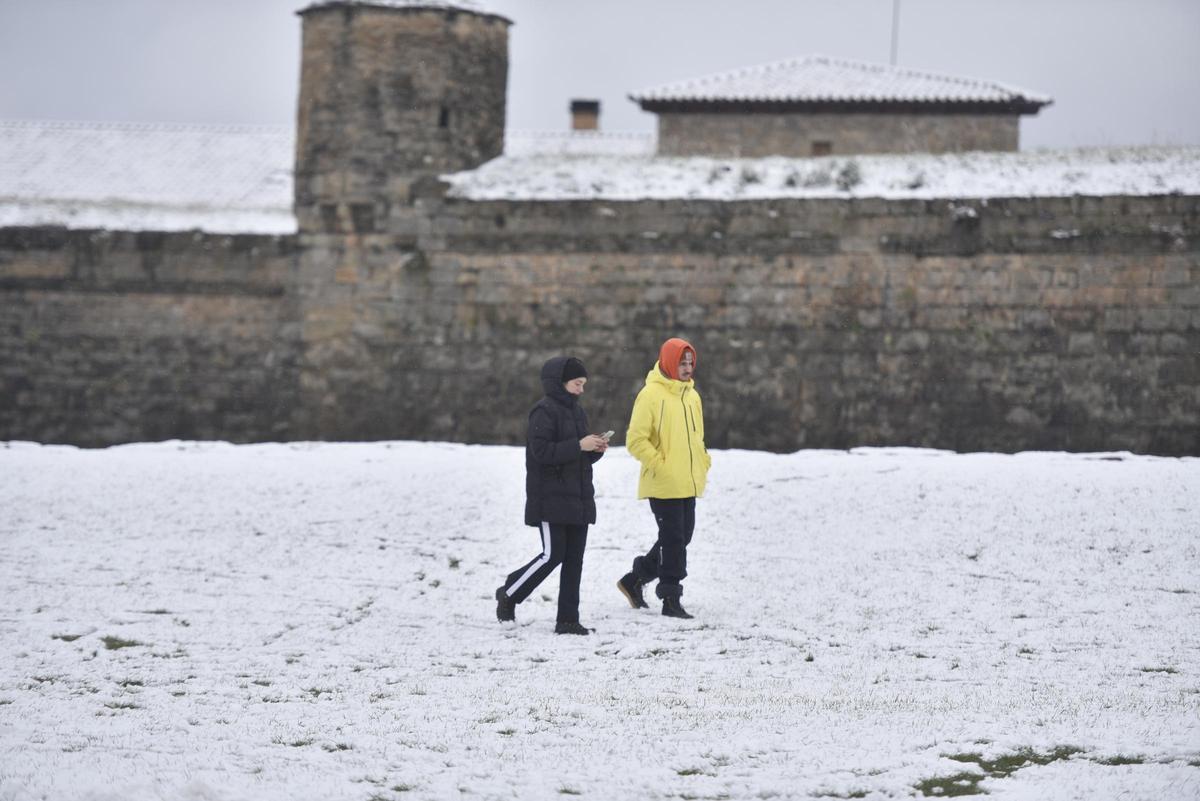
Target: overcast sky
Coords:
[[1120, 71]]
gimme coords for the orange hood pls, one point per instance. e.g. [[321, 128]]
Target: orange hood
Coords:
[[671, 352]]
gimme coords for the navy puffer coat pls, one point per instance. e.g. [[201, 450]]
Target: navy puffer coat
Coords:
[[558, 475]]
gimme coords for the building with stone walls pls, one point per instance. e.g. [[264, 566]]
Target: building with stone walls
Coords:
[[418, 284], [821, 106]]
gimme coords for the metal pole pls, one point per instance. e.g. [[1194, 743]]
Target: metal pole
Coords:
[[895, 30]]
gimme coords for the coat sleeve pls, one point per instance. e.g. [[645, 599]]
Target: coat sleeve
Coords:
[[591, 456], [641, 425], [545, 449]]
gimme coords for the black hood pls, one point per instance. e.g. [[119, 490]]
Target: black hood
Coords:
[[552, 380]]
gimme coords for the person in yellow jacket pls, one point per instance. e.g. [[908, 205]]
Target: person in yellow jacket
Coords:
[[666, 434]]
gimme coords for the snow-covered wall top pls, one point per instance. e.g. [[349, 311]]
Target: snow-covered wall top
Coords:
[[823, 79], [221, 178], [1101, 171], [238, 179]]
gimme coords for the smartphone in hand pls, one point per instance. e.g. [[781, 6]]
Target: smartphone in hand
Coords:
[[607, 435]]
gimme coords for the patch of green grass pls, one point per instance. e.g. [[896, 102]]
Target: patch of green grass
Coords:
[[115, 643], [958, 784], [156, 612], [455, 562], [568, 791], [999, 768], [261, 682], [1167, 669], [333, 747], [401, 788], [507, 732], [1121, 759], [121, 705], [66, 637], [317, 692], [1005, 766], [689, 772], [300, 743], [131, 683]]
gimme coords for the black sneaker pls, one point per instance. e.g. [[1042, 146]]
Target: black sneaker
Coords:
[[673, 608], [506, 610], [631, 588], [571, 628]]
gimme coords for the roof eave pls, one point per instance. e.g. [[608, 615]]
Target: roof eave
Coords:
[[833, 106]]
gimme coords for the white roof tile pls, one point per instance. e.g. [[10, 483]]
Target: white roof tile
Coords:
[[233, 178], [817, 79]]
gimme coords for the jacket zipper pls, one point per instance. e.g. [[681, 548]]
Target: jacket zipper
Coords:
[[691, 459]]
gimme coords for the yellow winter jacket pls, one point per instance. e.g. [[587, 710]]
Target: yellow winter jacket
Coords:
[[666, 434]]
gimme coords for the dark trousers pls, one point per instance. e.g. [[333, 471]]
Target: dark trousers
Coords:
[[561, 545], [667, 560]]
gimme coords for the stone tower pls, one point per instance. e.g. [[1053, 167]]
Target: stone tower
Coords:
[[392, 91]]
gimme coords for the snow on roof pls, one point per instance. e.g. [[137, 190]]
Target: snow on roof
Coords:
[[612, 143], [147, 176], [470, 6], [822, 79], [1051, 173]]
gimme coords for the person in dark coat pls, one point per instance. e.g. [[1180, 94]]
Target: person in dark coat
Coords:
[[559, 498]]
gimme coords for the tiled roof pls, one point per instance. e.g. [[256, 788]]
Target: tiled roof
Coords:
[[822, 79], [147, 176]]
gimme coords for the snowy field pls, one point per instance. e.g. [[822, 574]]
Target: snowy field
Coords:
[[315, 621]]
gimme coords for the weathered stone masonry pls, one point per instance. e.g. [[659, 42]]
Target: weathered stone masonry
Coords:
[[399, 312], [116, 336], [1013, 324]]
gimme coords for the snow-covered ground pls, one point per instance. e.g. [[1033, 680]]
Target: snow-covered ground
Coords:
[[1042, 173], [315, 621]]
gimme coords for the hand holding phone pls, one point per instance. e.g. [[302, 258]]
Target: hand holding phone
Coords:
[[607, 435]]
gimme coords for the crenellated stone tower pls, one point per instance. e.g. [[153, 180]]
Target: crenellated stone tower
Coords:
[[392, 91]]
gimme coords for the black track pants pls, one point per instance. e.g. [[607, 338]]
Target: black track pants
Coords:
[[667, 560], [561, 544]]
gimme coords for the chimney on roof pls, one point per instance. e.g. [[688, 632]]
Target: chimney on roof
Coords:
[[585, 115]]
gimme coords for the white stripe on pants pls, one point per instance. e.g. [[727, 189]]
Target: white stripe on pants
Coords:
[[533, 568]]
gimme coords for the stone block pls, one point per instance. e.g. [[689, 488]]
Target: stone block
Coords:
[[1153, 319]]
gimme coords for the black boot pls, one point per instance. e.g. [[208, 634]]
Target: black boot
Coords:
[[506, 610], [673, 608], [571, 628], [631, 588]]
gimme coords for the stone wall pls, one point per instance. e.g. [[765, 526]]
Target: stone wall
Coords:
[[727, 135], [114, 336], [1057, 323], [1064, 323]]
